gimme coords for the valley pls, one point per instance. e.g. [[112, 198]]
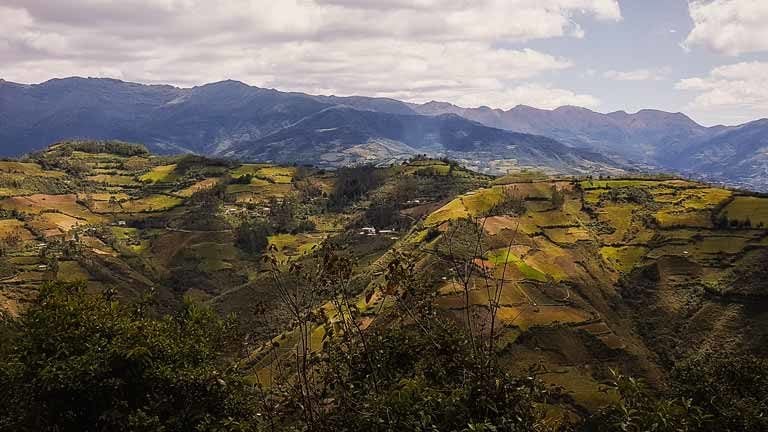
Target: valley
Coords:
[[575, 275]]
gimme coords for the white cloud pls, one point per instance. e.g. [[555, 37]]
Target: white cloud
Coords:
[[414, 49], [737, 92], [729, 26], [541, 96], [637, 75]]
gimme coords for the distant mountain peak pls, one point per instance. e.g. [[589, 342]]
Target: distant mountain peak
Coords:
[[227, 83], [573, 108], [437, 104]]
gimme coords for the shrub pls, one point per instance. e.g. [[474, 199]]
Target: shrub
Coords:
[[83, 362]]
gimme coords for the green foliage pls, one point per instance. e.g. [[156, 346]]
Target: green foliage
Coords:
[[243, 179], [384, 212], [558, 197], [639, 409], [731, 388], [284, 216], [511, 203], [710, 391], [190, 162], [352, 183], [628, 194], [120, 148], [253, 236], [425, 378], [85, 362]]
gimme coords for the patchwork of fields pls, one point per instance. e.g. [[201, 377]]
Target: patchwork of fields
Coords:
[[570, 273]]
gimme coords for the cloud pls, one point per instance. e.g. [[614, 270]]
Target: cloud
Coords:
[[414, 49], [738, 92], [637, 75], [730, 27], [538, 95]]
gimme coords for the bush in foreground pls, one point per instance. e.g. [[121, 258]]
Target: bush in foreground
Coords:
[[82, 362]]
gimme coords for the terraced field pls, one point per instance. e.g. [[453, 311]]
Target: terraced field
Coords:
[[559, 265], [115, 222]]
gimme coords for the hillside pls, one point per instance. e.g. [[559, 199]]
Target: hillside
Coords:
[[578, 275]]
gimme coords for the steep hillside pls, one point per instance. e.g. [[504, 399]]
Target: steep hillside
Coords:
[[121, 218]]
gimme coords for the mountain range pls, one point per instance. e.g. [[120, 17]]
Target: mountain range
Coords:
[[232, 119]]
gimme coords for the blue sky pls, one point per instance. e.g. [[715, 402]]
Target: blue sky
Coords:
[[707, 58], [651, 36]]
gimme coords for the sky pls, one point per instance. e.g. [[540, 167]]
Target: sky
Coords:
[[706, 58]]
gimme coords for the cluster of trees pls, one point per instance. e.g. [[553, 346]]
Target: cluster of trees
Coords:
[[352, 183], [252, 236], [724, 222], [201, 166], [58, 156], [512, 203], [384, 211], [120, 148], [284, 216], [628, 194]]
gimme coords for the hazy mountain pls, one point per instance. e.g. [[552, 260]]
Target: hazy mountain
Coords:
[[739, 155], [233, 119], [33, 116], [648, 136], [342, 134], [649, 139]]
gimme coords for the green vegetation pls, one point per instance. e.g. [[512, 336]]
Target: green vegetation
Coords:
[[76, 361], [352, 184], [151, 203], [253, 236], [119, 148], [158, 174], [501, 256], [624, 258]]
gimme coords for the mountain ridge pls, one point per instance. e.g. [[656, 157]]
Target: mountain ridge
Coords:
[[215, 118], [234, 119]]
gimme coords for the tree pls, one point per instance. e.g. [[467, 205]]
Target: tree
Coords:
[[722, 221], [86, 362], [512, 203], [558, 197], [252, 236]]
